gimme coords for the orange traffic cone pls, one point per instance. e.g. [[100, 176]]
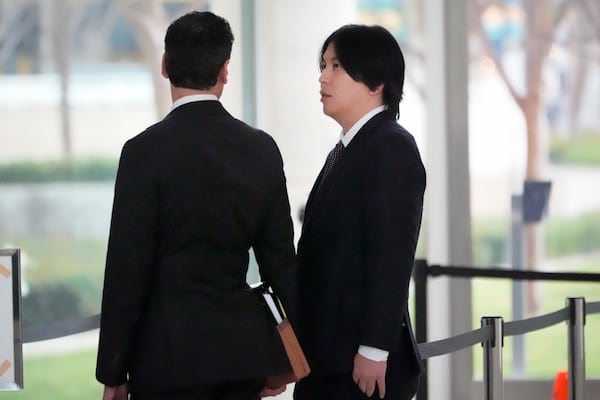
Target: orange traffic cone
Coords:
[[561, 386]]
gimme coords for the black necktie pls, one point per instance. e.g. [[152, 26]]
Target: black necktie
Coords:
[[331, 159]]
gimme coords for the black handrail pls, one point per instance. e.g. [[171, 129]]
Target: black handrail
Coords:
[[494, 272]]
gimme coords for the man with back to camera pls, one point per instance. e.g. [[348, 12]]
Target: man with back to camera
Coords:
[[360, 231], [193, 194]]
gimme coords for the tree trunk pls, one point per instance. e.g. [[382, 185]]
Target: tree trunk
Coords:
[[60, 42], [148, 21], [542, 17], [532, 230], [537, 46]]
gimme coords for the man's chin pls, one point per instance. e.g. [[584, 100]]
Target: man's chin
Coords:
[[327, 111]]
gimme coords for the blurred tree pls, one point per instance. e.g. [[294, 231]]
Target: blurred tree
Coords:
[[582, 42], [61, 20], [591, 11], [148, 20], [17, 21], [63, 32], [548, 26]]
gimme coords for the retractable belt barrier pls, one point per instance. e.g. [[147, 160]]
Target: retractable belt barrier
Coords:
[[428, 349], [493, 328], [492, 331], [513, 328], [37, 333]]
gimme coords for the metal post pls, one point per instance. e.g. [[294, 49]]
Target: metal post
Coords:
[[420, 277], [492, 360], [576, 348], [518, 287]]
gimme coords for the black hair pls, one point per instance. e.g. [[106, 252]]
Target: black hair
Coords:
[[197, 45], [371, 55]]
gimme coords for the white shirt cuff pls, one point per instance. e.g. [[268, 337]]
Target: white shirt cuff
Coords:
[[373, 353]]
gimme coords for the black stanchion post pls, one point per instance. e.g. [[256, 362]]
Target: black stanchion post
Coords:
[[492, 360], [420, 277], [576, 347]]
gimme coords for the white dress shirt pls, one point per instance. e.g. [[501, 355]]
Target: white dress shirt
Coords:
[[191, 98]]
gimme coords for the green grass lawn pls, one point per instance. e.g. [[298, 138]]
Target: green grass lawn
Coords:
[[61, 377], [76, 264], [581, 149]]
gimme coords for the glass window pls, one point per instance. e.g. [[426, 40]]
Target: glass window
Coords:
[[77, 79], [534, 145]]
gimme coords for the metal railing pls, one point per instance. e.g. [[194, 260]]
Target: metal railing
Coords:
[[490, 335], [493, 329]]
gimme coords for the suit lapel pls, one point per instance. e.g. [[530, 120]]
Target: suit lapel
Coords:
[[313, 204]]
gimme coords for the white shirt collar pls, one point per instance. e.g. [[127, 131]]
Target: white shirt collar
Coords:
[[346, 138], [191, 98]]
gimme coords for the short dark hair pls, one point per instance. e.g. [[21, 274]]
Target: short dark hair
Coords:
[[197, 45], [371, 55]]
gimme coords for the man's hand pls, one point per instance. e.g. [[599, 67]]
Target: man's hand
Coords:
[[268, 391], [115, 392], [368, 374]]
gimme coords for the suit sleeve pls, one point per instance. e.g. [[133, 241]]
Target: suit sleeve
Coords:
[[274, 245], [129, 262], [393, 198]]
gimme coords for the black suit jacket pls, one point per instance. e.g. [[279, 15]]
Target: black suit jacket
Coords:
[[193, 194], [357, 249]]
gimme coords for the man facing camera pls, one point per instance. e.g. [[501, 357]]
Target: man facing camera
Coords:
[[360, 230]]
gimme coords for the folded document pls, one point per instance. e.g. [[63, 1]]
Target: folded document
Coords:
[[271, 300]]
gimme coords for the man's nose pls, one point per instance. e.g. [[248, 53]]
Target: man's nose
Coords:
[[323, 76]]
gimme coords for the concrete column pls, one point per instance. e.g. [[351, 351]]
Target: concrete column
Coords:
[[447, 197], [231, 10], [289, 35]]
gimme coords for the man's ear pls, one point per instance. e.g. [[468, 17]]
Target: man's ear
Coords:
[[163, 67], [224, 73], [377, 90]]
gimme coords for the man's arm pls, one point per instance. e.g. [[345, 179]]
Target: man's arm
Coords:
[[129, 261], [394, 197], [274, 246]]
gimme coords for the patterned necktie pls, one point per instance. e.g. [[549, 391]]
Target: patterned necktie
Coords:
[[331, 159]]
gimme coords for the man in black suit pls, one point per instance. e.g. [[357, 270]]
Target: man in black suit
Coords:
[[360, 230], [193, 194]]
